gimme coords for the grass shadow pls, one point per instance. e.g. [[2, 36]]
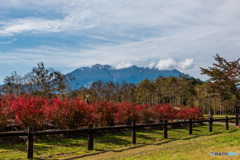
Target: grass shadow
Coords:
[[113, 140], [11, 147], [145, 137], [121, 150]]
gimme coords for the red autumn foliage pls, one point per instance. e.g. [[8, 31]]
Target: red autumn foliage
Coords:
[[145, 113], [28, 110], [68, 113], [41, 112], [4, 113], [165, 111], [186, 112], [104, 113], [127, 112]]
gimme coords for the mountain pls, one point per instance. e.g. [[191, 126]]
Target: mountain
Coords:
[[84, 76]]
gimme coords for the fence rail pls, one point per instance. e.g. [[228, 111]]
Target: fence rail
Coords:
[[90, 130]]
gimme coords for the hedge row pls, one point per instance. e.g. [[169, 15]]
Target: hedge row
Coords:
[[41, 113]]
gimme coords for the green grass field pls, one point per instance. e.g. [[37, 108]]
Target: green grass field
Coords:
[[150, 145], [206, 115]]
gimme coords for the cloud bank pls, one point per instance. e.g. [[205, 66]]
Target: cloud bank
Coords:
[[123, 65], [169, 64]]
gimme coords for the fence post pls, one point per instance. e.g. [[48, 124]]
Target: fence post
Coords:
[[30, 144], [226, 122], [210, 123], [90, 137], [133, 133], [236, 120], [164, 129], [190, 126], [237, 110]]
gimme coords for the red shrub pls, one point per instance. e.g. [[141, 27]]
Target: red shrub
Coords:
[[161, 112], [67, 113], [127, 112], [104, 113], [28, 111], [145, 113], [190, 112], [4, 113]]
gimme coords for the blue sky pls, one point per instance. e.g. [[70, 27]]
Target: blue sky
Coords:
[[67, 34]]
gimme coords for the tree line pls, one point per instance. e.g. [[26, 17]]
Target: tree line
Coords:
[[176, 91], [218, 95]]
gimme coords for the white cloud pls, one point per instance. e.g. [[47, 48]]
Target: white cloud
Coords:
[[36, 25], [186, 64], [123, 65], [166, 64], [169, 64], [152, 65]]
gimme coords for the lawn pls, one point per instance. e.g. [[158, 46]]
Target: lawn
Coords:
[[150, 145], [206, 115]]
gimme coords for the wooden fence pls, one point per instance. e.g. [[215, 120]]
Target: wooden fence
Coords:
[[90, 130]]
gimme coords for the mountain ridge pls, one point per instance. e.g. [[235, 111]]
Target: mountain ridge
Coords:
[[84, 76]]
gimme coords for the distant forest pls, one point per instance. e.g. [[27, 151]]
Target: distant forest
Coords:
[[219, 95]]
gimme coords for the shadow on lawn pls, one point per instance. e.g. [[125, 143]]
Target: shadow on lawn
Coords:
[[121, 150], [20, 147]]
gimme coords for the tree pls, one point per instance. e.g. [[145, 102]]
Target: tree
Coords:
[[13, 84], [42, 78], [96, 88], [224, 78], [159, 86], [145, 91]]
